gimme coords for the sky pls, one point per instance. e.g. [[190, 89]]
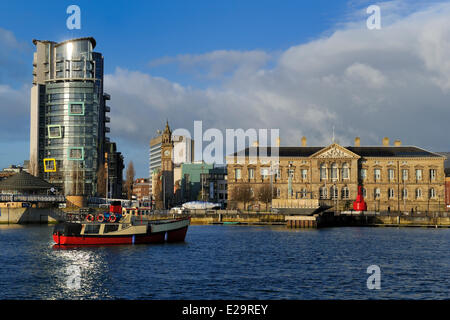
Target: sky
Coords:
[[303, 67]]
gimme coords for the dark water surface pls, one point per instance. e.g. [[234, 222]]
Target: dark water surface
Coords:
[[232, 262]]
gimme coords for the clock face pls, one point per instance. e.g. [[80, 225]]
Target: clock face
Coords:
[[167, 153]]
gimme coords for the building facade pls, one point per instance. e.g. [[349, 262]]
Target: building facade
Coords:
[[203, 182], [115, 165], [393, 178], [215, 185], [162, 167], [183, 150], [447, 188], [68, 115], [141, 189]]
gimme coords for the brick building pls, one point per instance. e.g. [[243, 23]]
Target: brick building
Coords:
[[141, 189]]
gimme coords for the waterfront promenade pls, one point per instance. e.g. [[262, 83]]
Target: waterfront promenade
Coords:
[[20, 215]]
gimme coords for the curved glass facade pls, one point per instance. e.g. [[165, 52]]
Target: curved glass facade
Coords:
[[71, 128], [73, 106]]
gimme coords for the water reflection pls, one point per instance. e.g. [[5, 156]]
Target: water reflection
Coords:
[[231, 262]]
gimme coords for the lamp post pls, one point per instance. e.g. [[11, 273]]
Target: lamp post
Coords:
[[289, 182]]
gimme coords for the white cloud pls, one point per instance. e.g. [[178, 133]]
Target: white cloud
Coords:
[[370, 83], [217, 63]]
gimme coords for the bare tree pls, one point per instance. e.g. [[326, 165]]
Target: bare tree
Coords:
[[265, 194], [242, 193], [129, 180], [101, 181]]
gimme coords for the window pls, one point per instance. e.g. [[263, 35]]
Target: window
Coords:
[[76, 108], [334, 192], [419, 174], [377, 174], [278, 192], [291, 173], [49, 165], [277, 174], [432, 193], [323, 193], [264, 172], [432, 174], [345, 193], [110, 228], [364, 192], [363, 174], [405, 193], [405, 174], [334, 171], [251, 173], [345, 171], [418, 193], [391, 193], [91, 228], [304, 174], [391, 174], [377, 193], [304, 193], [54, 131], [237, 173], [76, 153], [323, 172]]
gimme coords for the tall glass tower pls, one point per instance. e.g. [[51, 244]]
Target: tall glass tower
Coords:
[[68, 115]]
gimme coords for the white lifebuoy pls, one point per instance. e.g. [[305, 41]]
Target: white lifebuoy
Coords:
[[90, 217], [100, 217]]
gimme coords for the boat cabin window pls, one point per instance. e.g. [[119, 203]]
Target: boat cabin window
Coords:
[[91, 228], [111, 228]]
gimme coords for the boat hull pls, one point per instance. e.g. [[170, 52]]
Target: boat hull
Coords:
[[174, 231]]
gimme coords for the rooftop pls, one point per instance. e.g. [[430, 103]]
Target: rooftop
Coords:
[[24, 181], [366, 151], [91, 39]]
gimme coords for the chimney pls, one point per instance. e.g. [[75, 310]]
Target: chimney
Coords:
[[386, 141], [303, 141], [397, 143], [255, 143], [278, 141], [357, 142]]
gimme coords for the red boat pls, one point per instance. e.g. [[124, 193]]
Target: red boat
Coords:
[[129, 229]]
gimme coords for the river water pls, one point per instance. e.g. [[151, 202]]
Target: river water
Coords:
[[231, 262]]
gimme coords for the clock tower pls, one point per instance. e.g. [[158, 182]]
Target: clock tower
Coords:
[[167, 165]]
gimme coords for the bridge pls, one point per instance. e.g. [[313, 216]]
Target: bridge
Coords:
[[31, 198]]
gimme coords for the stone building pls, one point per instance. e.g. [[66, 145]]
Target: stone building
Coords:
[[394, 178], [447, 188]]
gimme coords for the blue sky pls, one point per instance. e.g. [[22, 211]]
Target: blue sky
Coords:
[[208, 57], [132, 33]]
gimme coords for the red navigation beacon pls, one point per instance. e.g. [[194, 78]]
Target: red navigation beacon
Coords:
[[359, 204]]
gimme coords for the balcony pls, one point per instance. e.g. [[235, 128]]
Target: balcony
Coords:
[[106, 96], [107, 129], [107, 119], [107, 109]]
